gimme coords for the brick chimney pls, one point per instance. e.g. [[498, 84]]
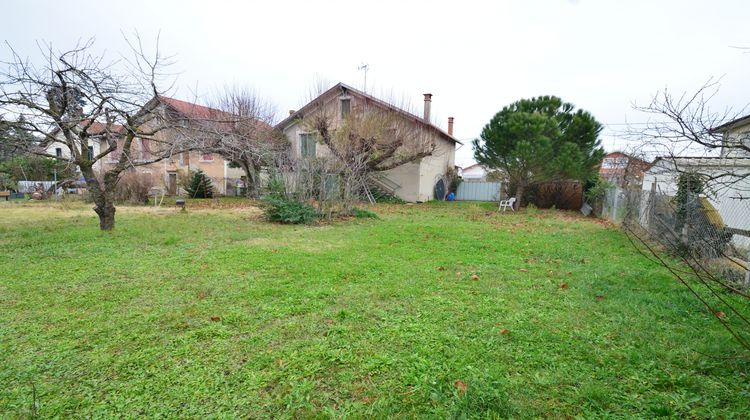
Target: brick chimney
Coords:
[[427, 105], [450, 126]]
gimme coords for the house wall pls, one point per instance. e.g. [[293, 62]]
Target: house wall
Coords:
[[66, 154], [434, 167], [736, 134]]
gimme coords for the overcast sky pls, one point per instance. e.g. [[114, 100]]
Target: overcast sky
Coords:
[[474, 57]]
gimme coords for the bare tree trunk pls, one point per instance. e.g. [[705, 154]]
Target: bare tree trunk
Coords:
[[103, 198], [519, 194], [252, 187]]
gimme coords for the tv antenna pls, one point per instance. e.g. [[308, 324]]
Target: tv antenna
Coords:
[[364, 67]]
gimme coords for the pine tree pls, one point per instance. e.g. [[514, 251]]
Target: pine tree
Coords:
[[541, 139], [200, 186]]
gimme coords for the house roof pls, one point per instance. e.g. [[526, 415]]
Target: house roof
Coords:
[[704, 161], [737, 122], [378, 102], [95, 128], [190, 109], [473, 166], [200, 112]]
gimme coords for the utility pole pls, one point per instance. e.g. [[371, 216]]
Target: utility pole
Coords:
[[364, 67]]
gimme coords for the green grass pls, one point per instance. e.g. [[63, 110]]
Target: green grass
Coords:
[[214, 312]]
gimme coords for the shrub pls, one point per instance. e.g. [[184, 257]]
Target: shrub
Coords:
[[361, 213], [133, 187], [200, 186], [284, 210]]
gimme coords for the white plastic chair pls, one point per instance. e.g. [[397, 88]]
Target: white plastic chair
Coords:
[[508, 204]]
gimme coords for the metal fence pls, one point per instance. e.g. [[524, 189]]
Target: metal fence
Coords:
[[479, 191], [708, 234]]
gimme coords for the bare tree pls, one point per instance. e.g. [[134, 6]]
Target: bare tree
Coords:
[[77, 99], [243, 134], [701, 153]]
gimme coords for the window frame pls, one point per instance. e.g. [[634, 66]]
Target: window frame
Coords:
[[348, 100], [305, 140]]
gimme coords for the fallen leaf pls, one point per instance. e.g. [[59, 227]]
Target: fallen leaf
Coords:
[[721, 315], [215, 318], [523, 270], [441, 269], [458, 274], [570, 273], [599, 297], [202, 295], [504, 331], [563, 285], [474, 277], [275, 251], [460, 386]]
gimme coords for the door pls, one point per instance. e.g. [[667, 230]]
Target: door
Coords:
[[172, 183]]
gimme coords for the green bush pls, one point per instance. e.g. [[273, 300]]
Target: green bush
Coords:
[[200, 186], [284, 210]]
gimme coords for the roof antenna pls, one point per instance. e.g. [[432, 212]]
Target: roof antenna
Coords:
[[364, 67]]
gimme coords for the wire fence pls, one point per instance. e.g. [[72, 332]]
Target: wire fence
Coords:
[[712, 236]]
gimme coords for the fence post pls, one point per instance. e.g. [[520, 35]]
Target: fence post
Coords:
[[615, 204]]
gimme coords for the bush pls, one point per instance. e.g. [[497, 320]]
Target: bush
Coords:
[[200, 186], [133, 187], [361, 213], [284, 210]]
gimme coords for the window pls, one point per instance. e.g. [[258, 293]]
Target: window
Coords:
[[207, 157], [145, 149], [307, 145], [615, 163], [346, 107], [58, 152], [91, 153]]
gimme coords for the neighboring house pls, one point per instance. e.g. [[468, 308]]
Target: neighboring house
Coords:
[[414, 181], [620, 169], [474, 173], [729, 195], [736, 135], [166, 173], [96, 131]]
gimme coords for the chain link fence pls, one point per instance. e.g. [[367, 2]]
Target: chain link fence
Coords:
[[712, 237]]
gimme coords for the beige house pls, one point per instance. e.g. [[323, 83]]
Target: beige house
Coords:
[[167, 174], [414, 181]]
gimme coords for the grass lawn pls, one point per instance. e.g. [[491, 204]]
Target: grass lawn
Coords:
[[442, 310]]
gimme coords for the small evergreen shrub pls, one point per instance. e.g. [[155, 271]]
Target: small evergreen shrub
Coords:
[[284, 210], [200, 186]]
